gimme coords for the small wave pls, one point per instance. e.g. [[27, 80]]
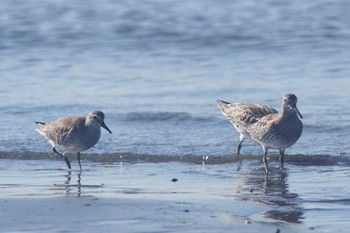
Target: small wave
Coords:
[[163, 116], [26, 110], [157, 116], [297, 159]]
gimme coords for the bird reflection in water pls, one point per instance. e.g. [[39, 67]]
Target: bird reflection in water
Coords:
[[270, 189], [73, 185], [73, 189]]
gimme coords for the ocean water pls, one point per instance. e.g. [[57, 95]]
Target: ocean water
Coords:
[[156, 68]]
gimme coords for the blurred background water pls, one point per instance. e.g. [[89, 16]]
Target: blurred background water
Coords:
[[156, 69]]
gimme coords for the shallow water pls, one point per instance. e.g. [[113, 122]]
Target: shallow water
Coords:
[[318, 201], [156, 68]]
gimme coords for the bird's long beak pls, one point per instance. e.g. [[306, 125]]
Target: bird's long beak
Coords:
[[301, 117], [105, 127]]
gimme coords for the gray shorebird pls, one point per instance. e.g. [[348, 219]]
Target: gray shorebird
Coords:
[[276, 130], [73, 133]]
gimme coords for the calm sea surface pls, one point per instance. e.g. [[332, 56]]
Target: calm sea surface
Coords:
[[156, 68]]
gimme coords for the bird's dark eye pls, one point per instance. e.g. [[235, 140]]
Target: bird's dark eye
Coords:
[[95, 117]]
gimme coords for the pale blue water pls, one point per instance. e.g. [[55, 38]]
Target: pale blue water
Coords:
[[156, 69]]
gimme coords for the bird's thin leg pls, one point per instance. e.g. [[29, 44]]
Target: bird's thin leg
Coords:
[[265, 160], [239, 146], [65, 158], [282, 159], [78, 155]]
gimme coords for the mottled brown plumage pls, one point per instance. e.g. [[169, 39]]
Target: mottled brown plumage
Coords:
[[274, 130], [243, 115]]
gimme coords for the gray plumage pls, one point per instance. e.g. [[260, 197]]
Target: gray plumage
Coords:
[[275, 130], [74, 133]]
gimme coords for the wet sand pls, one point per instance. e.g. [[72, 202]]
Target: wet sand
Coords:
[[41, 196], [123, 214]]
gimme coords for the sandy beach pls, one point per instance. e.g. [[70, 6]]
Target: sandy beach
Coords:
[[41, 196]]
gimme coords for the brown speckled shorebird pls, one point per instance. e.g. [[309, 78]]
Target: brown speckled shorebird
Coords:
[[263, 124], [74, 133], [242, 116]]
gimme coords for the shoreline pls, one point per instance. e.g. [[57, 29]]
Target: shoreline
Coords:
[[209, 159]]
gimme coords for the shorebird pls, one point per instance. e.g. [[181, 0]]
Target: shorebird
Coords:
[[73, 133], [242, 116], [266, 126]]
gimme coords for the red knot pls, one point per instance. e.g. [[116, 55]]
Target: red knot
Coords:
[[73, 133]]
